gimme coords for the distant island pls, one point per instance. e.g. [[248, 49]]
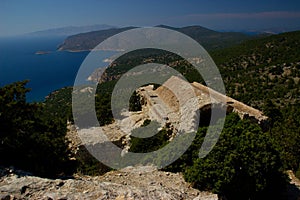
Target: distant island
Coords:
[[42, 52]]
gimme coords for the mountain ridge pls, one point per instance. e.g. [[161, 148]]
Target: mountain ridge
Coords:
[[69, 30], [210, 39]]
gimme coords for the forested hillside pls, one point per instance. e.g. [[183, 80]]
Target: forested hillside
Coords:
[[210, 39], [262, 69]]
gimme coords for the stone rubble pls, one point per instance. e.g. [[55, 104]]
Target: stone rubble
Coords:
[[130, 183]]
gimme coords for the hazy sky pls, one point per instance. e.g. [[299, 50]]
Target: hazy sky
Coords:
[[18, 17]]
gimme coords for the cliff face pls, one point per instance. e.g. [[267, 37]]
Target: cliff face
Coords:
[[130, 183]]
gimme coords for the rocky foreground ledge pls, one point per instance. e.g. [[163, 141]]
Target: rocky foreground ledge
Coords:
[[129, 183]]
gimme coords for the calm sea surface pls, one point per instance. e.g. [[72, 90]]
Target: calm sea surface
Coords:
[[46, 72]]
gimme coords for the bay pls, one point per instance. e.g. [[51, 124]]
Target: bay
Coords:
[[47, 71]]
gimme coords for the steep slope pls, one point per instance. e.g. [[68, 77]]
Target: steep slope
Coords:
[[262, 69]]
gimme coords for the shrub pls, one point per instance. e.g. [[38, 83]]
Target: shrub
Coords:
[[244, 163]]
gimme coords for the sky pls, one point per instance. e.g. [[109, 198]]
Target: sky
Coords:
[[19, 17]]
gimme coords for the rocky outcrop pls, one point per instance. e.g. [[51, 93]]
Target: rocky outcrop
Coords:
[[129, 183]]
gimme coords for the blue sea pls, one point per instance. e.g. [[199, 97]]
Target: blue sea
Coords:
[[46, 72]]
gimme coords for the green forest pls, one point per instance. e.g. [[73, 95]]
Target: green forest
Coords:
[[246, 163]]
